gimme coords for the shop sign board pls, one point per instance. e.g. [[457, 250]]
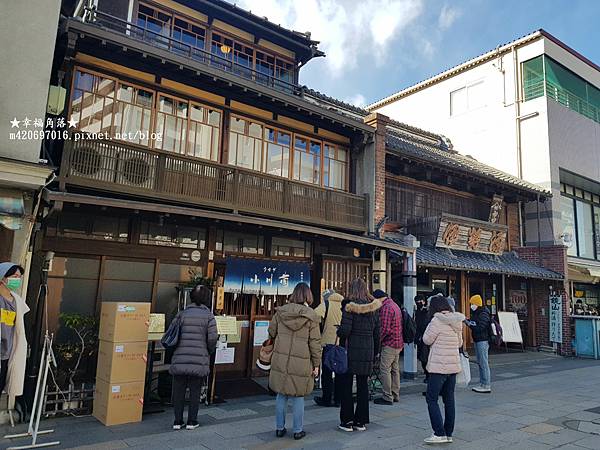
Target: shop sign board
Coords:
[[517, 301], [264, 276], [471, 235], [556, 313]]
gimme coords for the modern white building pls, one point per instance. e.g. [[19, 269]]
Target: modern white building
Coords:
[[531, 108]]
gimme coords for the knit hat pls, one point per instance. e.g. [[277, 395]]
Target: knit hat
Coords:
[[476, 300], [5, 267], [378, 293]]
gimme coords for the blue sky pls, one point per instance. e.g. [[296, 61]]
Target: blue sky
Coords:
[[377, 47]]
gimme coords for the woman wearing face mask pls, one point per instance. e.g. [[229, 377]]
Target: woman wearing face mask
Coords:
[[13, 344]]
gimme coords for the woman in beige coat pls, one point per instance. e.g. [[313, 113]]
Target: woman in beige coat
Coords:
[[444, 336], [296, 356]]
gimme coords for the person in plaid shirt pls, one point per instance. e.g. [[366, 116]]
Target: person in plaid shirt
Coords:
[[391, 345]]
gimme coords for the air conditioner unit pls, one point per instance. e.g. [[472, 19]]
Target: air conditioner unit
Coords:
[[137, 169], [92, 163]]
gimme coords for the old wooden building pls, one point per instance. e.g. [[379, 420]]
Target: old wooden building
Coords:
[[194, 152]]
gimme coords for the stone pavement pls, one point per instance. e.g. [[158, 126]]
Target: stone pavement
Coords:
[[539, 401]]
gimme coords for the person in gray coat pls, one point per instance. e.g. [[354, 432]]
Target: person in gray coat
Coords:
[[191, 359]]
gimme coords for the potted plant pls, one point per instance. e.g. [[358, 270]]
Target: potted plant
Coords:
[[75, 355]]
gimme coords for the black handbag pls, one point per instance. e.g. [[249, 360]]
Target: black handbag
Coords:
[[171, 337]]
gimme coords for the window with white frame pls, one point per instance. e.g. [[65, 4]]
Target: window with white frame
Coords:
[[467, 98]]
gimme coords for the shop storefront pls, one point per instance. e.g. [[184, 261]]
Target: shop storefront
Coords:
[[148, 256]]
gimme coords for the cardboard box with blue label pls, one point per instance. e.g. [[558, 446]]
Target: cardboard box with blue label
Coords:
[[124, 321]]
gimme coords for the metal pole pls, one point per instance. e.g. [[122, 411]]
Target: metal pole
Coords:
[[409, 370]]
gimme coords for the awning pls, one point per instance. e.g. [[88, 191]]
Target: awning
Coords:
[[509, 263], [220, 215], [12, 209], [583, 271]]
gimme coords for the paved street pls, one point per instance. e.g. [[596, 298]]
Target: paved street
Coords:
[[539, 402]]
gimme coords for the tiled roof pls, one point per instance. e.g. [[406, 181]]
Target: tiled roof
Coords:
[[508, 263], [354, 111], [438, 153]]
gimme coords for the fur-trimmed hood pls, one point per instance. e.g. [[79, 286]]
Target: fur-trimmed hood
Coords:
[[363, 308], [454, 319]]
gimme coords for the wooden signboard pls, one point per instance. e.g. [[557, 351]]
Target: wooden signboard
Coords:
[[472, 235], [511, 330]]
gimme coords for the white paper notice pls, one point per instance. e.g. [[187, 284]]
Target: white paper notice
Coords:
[[225, 355], [119, 348], [261, 332]]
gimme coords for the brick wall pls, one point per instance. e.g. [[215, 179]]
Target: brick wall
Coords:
[[379, 121], [555, 259]]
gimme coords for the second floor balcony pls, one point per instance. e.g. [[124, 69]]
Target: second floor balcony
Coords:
[[132, 170]]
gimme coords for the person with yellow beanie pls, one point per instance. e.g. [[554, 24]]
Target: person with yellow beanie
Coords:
[[479, 323]]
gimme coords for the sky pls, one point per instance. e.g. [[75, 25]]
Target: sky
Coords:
[[377, 47]]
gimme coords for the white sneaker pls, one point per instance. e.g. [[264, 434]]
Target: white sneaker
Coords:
[[177, 426], [433, 439], [449, 439], [482, 389]]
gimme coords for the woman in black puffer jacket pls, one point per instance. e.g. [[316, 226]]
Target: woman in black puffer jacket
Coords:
[[359, 333], [191, 360]]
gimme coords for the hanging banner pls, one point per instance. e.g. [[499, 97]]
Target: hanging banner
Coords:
[[264, 276], [556, 330]]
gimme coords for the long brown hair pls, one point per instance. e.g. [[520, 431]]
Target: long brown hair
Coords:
[[357, 290], [301, 294]]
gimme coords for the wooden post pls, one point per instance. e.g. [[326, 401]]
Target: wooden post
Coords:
[[531, 315]]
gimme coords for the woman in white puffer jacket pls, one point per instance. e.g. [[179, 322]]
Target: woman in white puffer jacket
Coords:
[[444, 336]]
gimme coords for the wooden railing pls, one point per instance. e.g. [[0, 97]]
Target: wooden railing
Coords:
[[130, 169], [120, 26]]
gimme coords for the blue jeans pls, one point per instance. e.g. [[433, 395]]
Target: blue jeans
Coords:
[[481, 350], [297, 409], [441, 385]]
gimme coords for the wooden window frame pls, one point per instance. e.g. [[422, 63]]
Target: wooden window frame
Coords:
[[346, 165], [152, 129], [290, 148], [293, 159], [247, 122]]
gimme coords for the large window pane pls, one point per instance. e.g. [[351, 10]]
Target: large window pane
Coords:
[[243, 243], [533, 78], [585, 230], [568, 223]]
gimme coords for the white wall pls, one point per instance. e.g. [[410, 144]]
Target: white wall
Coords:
[[486, 133], [552, 136], [28, 34]]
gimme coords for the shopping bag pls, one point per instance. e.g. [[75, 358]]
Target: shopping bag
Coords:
[[171, 338], [464, 377], [336, 358]]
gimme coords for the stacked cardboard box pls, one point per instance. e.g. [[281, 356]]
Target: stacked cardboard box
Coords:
[[122, 357]]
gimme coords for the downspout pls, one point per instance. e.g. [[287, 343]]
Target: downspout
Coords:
[[539, 238], [517, 106]]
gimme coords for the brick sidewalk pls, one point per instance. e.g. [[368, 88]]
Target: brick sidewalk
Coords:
[[539, 402]]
